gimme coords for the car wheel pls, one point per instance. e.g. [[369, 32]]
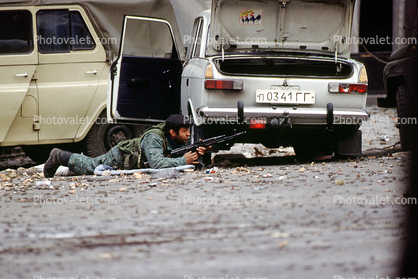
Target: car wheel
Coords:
[[405, 107], [102, 137]]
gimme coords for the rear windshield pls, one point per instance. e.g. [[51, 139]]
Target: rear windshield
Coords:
[[284, 67]]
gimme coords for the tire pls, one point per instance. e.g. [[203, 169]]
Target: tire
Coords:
[[405, 107], [349, 145], [102, 137]]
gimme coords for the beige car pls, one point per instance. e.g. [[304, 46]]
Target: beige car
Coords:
[[54, 68]]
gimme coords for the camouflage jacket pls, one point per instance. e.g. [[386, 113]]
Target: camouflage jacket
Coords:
[[154, 147]]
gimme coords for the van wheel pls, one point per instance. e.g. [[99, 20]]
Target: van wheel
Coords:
[[405, 107], [102, 137]]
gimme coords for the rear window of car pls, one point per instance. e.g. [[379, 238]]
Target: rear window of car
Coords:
[[16, 32]]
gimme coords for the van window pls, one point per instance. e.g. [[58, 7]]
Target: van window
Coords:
[[16, 33], [62, 31], [53, 31], [80, 33]]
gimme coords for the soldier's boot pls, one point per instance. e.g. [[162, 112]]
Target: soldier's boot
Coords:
[[57, 158]]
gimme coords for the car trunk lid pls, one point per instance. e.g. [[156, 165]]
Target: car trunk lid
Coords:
[[314, 26]]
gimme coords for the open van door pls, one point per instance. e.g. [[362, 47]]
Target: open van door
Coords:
[[145, 79]]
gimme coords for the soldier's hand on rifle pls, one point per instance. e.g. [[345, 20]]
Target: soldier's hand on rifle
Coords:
[[201, 150], [191, 158]]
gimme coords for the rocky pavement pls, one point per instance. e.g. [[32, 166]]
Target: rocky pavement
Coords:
[[267, 218]]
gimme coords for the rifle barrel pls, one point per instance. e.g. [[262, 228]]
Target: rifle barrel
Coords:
[[205, 143]]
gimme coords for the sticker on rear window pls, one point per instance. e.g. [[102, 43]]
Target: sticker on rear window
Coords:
[[251, 17]]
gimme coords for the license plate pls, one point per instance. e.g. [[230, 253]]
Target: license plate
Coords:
[[285, 97]]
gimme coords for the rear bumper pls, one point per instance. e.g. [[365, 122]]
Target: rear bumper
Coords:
[[299, 116]]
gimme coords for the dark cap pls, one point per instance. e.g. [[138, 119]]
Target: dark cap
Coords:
[[176, 121]]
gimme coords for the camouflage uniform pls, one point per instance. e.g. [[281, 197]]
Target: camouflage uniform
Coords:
[[155, 150], [81, 164], [154, 147]]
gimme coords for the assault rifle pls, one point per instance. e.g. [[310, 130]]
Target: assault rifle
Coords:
[[178, 152]]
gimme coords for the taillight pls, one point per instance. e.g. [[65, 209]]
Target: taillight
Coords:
[[219, 84], [257, 124], [334, 87]]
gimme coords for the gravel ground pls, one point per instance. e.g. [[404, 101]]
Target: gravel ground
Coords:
[[255, 217], [261, 221]]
